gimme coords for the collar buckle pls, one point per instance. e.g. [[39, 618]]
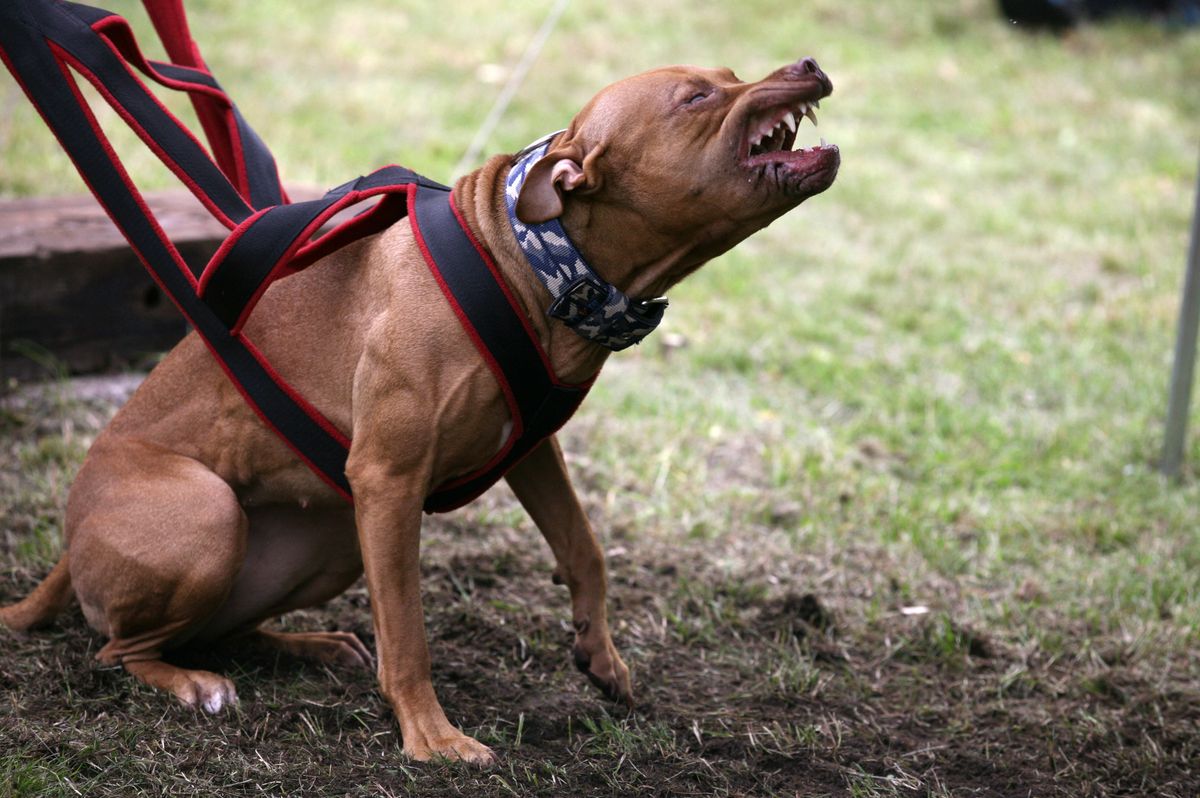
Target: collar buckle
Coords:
[[581, 300]]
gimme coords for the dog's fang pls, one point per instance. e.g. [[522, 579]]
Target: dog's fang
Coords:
[[811, 114], [790, 121]]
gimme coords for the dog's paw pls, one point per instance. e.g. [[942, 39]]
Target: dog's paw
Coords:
[[206, 691], [332, 648], [607, 672], [344, 648], [459, 748]]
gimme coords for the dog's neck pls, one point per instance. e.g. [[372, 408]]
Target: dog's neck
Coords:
[[618, 247]]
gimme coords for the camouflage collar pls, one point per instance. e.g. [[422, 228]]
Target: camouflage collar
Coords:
[[582, 299]]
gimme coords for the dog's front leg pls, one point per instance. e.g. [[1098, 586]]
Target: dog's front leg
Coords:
[[541, 483], [388, 514]]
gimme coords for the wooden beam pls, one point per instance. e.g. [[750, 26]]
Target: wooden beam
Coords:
[[73, 296]]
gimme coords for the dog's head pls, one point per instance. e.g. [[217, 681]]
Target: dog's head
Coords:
[[687, 154]]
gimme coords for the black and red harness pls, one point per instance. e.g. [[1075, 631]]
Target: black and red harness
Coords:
[[43, 42]]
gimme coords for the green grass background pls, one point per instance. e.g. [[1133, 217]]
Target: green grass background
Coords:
[[948, 372]]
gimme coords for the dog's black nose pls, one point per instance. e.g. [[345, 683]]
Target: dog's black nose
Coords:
[[809, 66]]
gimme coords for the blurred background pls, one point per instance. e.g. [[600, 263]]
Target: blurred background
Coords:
[[929, 400]]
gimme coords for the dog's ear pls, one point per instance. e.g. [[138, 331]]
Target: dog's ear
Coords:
[[565, 168]]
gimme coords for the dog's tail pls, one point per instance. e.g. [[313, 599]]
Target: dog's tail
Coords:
[[42, 605]]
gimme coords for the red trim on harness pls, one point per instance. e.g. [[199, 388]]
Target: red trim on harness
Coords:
[[130, 120], [111, 154], [322, 421], [282, 268], [234, 135], [287, 263], [514, 410], [369, 222], [512, 300], [218, 257], [116, 29], [375, 220], [170, 21]]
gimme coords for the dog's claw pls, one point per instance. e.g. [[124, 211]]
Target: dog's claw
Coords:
[[615, 687], [610, 690]]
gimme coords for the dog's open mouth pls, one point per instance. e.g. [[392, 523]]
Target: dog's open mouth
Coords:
[[767, 143]]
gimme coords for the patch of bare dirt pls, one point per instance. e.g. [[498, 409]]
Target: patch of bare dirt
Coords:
[[783, 699]]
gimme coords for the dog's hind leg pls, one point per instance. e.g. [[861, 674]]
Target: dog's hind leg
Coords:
[[155, 541], [46, 601], [543, 486], [295, 557]]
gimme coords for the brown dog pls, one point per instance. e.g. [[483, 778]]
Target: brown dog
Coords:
[[190, 521]]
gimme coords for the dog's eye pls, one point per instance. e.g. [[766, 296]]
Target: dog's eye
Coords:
[[695, 94]]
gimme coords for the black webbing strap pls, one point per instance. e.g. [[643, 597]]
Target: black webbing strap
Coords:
[[538, 403], [42, 41], [244, 158], [272, 243]]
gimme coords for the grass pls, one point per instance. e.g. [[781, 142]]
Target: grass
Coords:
[[941, 383]]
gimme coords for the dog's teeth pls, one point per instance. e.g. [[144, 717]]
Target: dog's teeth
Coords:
[[811, 115], [823, 144], [816, 103], [790, 121]]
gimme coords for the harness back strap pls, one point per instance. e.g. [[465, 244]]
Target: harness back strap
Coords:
[[43, 41]]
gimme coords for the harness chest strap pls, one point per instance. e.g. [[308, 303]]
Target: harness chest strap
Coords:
[[539, 404], [41, 41]]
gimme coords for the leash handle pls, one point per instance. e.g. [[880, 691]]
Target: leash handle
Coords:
[[238, 151], [170, 22], [45, 45]]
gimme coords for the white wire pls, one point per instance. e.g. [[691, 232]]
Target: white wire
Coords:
[[510, 89]]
